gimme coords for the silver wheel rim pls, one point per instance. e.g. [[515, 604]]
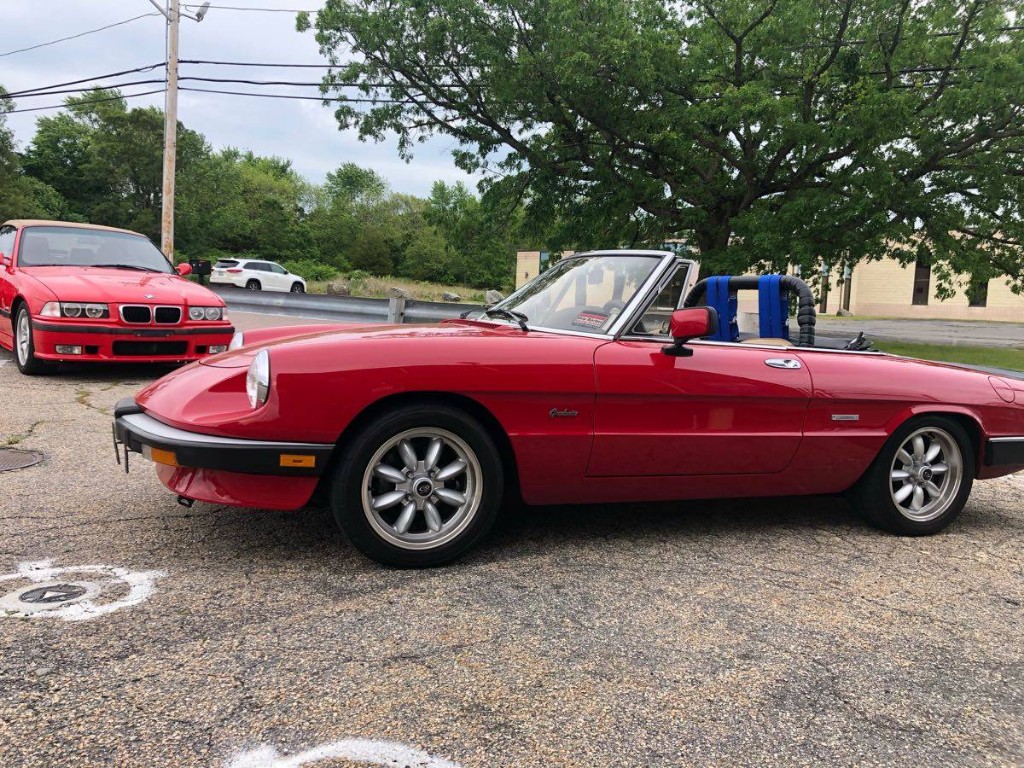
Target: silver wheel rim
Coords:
[[24, 338], [422, 488], [926, 473]]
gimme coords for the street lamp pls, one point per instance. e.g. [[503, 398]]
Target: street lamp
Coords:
[[173, 15]]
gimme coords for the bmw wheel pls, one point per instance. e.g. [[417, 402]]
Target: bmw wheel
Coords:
[[920, 481], [24, 344], [418, 487]]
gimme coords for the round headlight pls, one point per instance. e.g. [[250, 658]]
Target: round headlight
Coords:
[[195, 313], [257, 379], [72, 310], [95, 310], [213, 313]]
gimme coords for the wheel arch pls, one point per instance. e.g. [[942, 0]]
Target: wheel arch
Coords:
[[962, 416], [467, 404]]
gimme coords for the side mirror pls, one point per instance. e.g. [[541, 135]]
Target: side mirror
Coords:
[[689, 324], [183, 269]]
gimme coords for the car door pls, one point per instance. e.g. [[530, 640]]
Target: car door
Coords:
[[7, 289], [280, 277], [729, 409]]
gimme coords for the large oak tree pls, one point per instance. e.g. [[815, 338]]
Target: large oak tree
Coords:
[[763, 131]]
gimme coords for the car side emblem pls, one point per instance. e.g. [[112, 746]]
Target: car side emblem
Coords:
[[845, 417], [555, 413]]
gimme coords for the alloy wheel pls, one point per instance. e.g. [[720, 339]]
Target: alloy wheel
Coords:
[[422, 488], [926, 473], [24, 337]]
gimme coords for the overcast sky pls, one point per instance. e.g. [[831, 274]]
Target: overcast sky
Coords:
[[303, 131]]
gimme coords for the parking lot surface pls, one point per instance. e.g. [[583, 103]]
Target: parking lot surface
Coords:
[[781, 632]]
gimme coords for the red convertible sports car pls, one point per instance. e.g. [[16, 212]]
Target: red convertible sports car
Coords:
[[598, 381], [88, 293]]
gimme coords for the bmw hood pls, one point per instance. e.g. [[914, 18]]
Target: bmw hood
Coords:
[[123, 286]]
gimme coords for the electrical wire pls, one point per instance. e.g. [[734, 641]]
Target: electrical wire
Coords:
[[197, 6], [80, 34], [41, 89], [110, 87], [254, 64], [90, 101], [294, 96]]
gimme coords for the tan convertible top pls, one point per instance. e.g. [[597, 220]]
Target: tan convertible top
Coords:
[[19, 223]]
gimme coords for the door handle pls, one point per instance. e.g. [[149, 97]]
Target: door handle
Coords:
[[786, 363]]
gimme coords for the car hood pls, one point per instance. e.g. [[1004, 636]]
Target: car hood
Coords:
[[122, 286], [449, 330]]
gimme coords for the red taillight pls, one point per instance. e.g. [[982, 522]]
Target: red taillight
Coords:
[[235, 271]]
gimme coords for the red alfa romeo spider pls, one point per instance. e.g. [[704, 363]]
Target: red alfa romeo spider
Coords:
[[596, 382], [88, 293]]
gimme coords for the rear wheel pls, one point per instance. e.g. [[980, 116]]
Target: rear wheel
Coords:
[[418, 487], [253, 285], [298, 288], [920, 481], [24, 344]]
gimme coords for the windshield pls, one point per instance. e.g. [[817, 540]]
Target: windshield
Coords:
[[581, 293], [77, 247]]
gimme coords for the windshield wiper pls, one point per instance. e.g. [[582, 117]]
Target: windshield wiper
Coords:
[[126, 266], [508, 314]]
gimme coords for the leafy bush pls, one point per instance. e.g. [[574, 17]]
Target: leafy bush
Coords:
[[311, 270]]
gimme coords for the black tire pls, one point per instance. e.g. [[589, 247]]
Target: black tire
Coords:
[[297, 288], [31, 365], [378, 537], [253, 285], [875, 493]]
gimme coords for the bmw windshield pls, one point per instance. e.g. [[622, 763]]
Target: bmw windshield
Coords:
[[79, 247], [584, 294]]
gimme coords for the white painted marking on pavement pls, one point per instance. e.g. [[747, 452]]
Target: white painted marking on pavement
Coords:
[[386, 753], [141, 584]]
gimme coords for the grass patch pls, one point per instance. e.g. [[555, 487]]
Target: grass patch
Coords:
[[377, 288], [994, 357]]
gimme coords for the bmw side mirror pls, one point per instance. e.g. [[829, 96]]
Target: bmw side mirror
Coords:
[[687, 325], [183, 269]]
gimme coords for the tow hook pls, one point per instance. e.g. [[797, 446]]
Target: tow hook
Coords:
[[185, 501]]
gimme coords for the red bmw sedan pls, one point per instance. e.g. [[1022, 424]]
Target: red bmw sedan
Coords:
[[82, 292]]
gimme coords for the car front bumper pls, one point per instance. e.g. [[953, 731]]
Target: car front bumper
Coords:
[[96, 342], [222, 470]]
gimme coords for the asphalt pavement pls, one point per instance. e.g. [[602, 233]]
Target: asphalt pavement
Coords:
[[778, 632], [955, 332]]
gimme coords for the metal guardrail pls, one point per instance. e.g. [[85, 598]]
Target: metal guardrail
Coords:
[[356, 309]]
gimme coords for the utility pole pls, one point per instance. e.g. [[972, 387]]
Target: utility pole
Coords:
[[170, 132], [173, 15]]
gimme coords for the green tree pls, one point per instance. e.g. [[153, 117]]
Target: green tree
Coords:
[[21, 196], [764, 131]]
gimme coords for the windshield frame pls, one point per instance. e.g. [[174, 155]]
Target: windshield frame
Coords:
[[160, 266], [639, 298]]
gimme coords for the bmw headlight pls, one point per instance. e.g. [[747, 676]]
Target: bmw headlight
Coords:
[[206, 313], [257, 380], [75, 309]]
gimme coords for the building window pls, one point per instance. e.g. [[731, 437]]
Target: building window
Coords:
[[922, 280], [977, 293]]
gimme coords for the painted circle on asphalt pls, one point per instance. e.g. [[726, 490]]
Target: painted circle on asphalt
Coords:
[[74, 593], [364, 751]]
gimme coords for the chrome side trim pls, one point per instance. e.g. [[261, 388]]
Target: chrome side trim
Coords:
[[1006, 439]]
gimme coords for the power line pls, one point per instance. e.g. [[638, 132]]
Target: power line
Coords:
[[196, 6], [80, 34], [293, 96], [112, 86], [254, 64], [90, 101], [39, 91]]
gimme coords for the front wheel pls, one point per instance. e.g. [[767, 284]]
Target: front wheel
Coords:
[[298, 288], [24, 345], [418, 487], [920, 481]]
